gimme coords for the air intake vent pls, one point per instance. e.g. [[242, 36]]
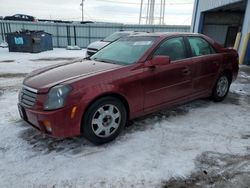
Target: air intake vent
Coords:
[[28, 96]]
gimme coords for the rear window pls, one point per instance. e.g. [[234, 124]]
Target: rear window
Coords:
[[200, 47]]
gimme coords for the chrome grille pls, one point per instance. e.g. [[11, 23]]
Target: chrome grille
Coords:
[[28, 96]]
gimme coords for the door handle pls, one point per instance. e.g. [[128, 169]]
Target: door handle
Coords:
[[216, 63], [186, 72]]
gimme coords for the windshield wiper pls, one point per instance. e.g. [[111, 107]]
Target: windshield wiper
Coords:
[[87, 58], [104, 60]]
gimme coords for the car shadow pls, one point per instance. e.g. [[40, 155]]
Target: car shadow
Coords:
[[44, 144], [145, 122], [232, 98], [214, 169]]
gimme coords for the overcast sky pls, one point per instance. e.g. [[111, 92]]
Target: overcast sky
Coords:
[[178, 12]]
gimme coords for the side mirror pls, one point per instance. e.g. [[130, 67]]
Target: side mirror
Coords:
[[159, 61]]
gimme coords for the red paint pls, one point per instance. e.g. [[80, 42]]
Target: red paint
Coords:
[[145, 88]]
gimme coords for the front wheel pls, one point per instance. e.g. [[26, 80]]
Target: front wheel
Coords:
[[104, 120], [221, 88]]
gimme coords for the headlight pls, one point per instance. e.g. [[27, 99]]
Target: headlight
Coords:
[[56, 97]]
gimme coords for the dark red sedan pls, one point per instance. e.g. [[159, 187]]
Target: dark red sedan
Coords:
[[129, 78]]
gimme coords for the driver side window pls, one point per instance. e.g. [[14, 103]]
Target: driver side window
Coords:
[[174, 48]]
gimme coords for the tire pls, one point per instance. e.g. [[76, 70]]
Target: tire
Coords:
[[104, 120], [221, 88]]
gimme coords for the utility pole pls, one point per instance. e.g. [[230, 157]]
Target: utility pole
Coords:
[[162, 12], [150, 11], [140, 17], [82, 4]]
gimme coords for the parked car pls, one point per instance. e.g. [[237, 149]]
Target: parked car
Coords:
[[20, 17], [86, 22], [54, 21], [1, 18], [96, 46], [129, 78]]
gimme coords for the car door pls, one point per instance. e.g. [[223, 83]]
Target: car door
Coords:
[[171, 82], [206, 62]]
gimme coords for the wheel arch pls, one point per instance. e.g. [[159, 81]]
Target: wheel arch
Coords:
[[229, 73], [110, 94]]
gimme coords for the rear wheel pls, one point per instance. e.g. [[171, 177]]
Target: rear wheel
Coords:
[[104, 120], [221, 88]]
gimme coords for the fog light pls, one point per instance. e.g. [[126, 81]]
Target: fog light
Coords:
[[47, 126]]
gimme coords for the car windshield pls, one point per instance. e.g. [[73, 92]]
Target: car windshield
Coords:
[[115, 36], [125, 51]]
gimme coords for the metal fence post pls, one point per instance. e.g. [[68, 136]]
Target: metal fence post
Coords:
[[68, 35], [1, 24], [4, 33], [57, 35], [89, 34], [9, 27], [75, 35]]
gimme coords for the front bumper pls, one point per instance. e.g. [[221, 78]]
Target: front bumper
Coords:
[[61, 121]]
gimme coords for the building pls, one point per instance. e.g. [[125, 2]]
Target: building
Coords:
[[226, 21]]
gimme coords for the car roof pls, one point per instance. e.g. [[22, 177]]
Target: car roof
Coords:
[[176, 34], [130, 32], [167, 34], [23, 15]]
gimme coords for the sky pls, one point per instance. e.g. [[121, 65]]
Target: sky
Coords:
[[178, 12]]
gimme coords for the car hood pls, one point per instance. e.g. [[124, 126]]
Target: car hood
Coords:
[[45, 78], [98, 45]]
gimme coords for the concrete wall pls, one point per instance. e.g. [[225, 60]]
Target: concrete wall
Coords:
[[82, 34]]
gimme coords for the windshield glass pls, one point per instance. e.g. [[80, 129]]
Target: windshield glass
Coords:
[[125, 51], [115, 36]]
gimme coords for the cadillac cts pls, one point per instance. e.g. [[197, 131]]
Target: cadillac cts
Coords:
[[129, 78]]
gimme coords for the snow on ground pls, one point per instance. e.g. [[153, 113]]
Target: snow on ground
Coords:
[[167, 148], [16, 62]]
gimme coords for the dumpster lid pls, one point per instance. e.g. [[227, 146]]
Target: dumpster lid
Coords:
[[29, 32]]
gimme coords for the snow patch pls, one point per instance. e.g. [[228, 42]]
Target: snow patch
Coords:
[[152, 150]]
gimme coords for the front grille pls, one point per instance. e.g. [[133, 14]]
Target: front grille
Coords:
[[28, 96]]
